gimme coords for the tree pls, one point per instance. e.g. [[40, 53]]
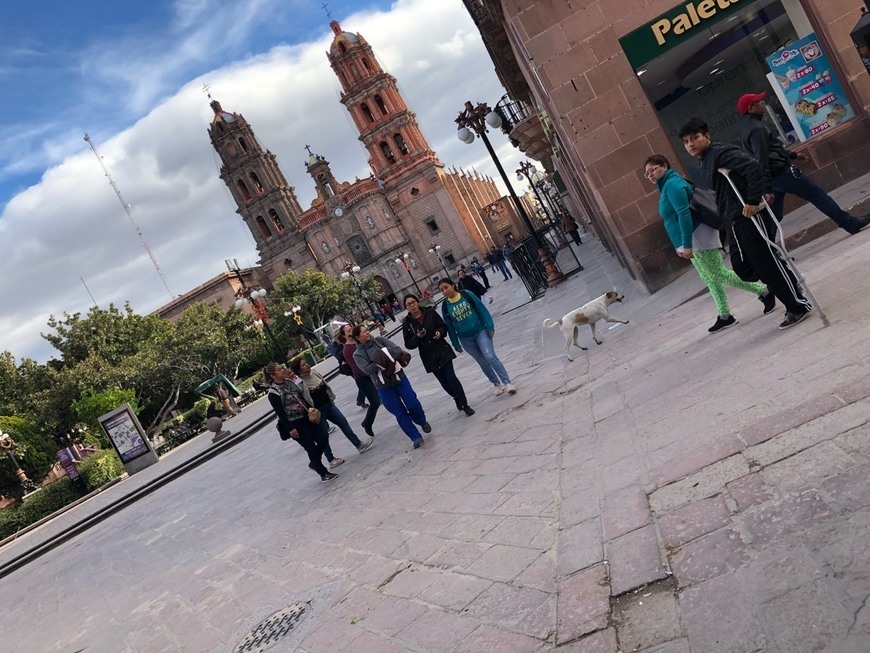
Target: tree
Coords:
[[94, 404]]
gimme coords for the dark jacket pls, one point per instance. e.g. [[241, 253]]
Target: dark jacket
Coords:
[[435, 354], [471, 285], [745, 172], [289, 403], [371, 360], [762, 144]]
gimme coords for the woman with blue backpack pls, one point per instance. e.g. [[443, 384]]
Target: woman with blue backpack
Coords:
[[698, 242]]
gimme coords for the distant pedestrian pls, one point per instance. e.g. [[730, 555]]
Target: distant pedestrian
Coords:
[[362, 380], [479, 270], [288, 401], [396, 306], [779, 173], [468, 283], [387, 310], [424, 330], [498, 260], [224, 396], [570, 227], [471, 328], [383, 361], [323, 399], [697, 242]]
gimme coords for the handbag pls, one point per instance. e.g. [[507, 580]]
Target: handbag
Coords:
[[314, 415], [702, 206], [345, 369]]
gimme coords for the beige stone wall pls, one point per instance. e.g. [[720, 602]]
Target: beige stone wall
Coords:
[[579, 73]]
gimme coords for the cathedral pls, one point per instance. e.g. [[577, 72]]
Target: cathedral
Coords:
[[409, 203]]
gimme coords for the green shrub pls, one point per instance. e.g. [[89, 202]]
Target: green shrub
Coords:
[[99, 469], [49, 499]]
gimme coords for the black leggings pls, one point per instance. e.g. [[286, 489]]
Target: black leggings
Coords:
[[367, 387], [312, 439], [447, 378]]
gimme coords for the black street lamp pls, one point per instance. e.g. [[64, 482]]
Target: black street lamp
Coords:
[[351, 270], [525, 171], [7, 445], [402, 259], [435, 249], [257, 301], [474, 121]]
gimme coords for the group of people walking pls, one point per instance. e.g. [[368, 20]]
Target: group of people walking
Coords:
[[763, 172], [305, 403]]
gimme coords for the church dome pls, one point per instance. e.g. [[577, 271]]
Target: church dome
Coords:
[[342, 39]]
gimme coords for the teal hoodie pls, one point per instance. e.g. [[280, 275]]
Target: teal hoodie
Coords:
[[674, 208], [465, 318]]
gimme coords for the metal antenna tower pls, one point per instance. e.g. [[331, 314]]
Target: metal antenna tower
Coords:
[[129, 214]]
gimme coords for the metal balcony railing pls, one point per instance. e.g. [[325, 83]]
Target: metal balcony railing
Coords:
[[513, 112]]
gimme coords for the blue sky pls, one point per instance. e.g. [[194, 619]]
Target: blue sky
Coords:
[[131, 75]]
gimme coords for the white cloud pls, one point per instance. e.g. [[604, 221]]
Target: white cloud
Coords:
[[71, 225]]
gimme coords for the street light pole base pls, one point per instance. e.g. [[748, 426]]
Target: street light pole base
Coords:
[[554, 275]]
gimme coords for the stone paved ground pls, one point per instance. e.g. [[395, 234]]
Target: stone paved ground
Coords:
[[668, 491]]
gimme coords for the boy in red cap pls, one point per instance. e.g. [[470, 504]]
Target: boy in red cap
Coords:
[[779, 174]]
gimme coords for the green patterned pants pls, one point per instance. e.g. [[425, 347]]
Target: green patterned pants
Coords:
[[712, 270]]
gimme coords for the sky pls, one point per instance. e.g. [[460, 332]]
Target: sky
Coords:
[[131, 75]]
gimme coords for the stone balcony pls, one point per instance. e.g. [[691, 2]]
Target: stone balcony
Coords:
[[520, 121]]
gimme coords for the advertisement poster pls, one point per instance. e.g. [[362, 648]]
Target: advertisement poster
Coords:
[[68, 464], [124, 434], [812, 92]]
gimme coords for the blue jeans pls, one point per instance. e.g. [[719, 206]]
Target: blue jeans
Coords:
[[481, 349], [503, 268], [331, 412], [402, 402], [792, 180]]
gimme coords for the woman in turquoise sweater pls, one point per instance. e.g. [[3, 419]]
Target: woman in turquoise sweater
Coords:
[[471, 329], [698, 242]]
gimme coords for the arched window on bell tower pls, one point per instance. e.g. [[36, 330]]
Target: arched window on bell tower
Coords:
[[342, 46], [327, 187], [380, 102], [263, 227], [367, 112], [400, 143], [276, 220], [366, 65], [243, 145], [388, 153], [243, 189], [257, 185]]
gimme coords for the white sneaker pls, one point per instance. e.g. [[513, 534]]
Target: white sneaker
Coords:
[[511, 389], [336, 462], [499, 389], [365, 446]]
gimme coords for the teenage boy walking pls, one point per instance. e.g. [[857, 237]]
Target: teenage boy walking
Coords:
[[752, 257]]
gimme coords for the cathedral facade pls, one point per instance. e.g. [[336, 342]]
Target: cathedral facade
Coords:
[[407, 205]]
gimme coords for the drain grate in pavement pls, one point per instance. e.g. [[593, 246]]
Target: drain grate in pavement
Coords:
[[273, 629]]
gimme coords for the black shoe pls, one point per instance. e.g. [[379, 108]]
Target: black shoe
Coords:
[[362, 404], [468, 410], [794, 318], [863, 221], [426, 428], [368, 430], [722, 323], [327, 477], [769, 302], [418, 443], [331, 429]]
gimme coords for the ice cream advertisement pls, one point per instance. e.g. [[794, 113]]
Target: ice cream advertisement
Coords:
[[812, 92]]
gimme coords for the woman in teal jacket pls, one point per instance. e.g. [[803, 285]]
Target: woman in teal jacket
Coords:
[[698, 242]]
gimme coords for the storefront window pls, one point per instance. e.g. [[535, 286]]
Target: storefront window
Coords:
[[697, 59]]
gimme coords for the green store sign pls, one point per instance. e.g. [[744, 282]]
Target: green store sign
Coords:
[[674, 27]]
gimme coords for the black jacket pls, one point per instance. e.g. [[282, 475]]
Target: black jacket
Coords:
[[745, 172], [762, 144], [471, 285], [435, 354]]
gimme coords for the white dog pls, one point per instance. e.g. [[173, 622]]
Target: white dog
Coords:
[[597, 309]]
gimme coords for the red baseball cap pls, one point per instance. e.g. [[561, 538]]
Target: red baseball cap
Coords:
[[748, 100]]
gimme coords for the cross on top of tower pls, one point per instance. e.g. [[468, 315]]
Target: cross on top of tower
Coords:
[[207, 90], [326, 9], [310, 153]]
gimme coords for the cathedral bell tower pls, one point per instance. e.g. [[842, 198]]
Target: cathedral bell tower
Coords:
[[264, 199]]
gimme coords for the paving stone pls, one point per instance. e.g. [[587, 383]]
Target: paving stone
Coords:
[[454, 591], [780, 568], [437, 630], [624, 511], [370, 642], [634, 560], [807, 618], [709, 556], [470, 527], [603, 641], [331, 635], [675, 646], [529, 532], [647, 617], [418, 548], [392, 616], [806, 468], [720, 618], [774, 520], [705, 483], [457, 555], [503, 563], [693, 520], [486, 639], [579, 547], [790, 418], [489, 483], [541, 574], [517, 609], [409, 582], [678, 462], [622, 473], [584, 603], [849, 490], [530, 503], [750, 490]]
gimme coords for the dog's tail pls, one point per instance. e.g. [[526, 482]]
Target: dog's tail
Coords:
[[550, 324]]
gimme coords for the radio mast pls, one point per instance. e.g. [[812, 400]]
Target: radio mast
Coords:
[[129, 214]]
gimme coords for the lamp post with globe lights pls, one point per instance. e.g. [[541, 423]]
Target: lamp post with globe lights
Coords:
[[257, 300], [525, 172], [351, 270], [435, 249], [293, 311], [7, 445], [473, 122], [402, 258]]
